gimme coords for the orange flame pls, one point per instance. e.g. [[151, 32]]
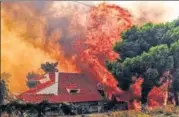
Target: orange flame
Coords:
[[105, 23]]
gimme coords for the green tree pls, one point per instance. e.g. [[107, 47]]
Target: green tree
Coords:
[[149, 52], [139, 39]]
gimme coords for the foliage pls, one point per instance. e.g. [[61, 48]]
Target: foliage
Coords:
[[49, 67], [147, 51], [30, 82], [31, 75], [46, 67], [4, 86], [140, 39]]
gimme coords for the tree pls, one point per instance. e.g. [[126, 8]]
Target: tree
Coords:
[[148, 52], [4, 86], [46, 67], [49, 67], [30, 82]]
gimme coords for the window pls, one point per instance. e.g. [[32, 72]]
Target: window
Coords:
[[73, 91]]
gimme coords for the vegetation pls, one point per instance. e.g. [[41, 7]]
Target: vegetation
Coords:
[[4, 86], [30, 82], [150, 52], [46, 67], [155, 112], [49, 67], [18, 108]]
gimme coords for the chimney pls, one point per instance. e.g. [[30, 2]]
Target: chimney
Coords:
[[56, 77]]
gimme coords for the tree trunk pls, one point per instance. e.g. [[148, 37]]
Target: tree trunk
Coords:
[[21, 114], [166, 98], [1, 95], [176, 98], [39, 114]]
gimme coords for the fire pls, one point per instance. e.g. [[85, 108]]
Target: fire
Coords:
[[105, 23], [80, 39]]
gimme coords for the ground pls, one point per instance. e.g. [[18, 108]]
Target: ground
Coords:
[[169, 111]]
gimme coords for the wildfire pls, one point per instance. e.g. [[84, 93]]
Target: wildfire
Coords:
[[31, 36], [80, 38]]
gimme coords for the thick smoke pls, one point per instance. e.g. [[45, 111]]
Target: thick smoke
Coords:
[[35, 32]]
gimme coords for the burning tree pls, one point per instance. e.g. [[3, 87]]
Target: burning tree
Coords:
[[150, 52]]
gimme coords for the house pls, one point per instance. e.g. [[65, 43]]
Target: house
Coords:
[[61, 87]]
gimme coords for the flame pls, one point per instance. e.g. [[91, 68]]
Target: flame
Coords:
[[105, 23], [80, 38]]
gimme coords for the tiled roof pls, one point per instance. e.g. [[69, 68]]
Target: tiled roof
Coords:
[[88, 91]]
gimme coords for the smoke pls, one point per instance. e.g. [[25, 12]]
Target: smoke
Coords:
[[149, 11], [67, 32], [32, 33]]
